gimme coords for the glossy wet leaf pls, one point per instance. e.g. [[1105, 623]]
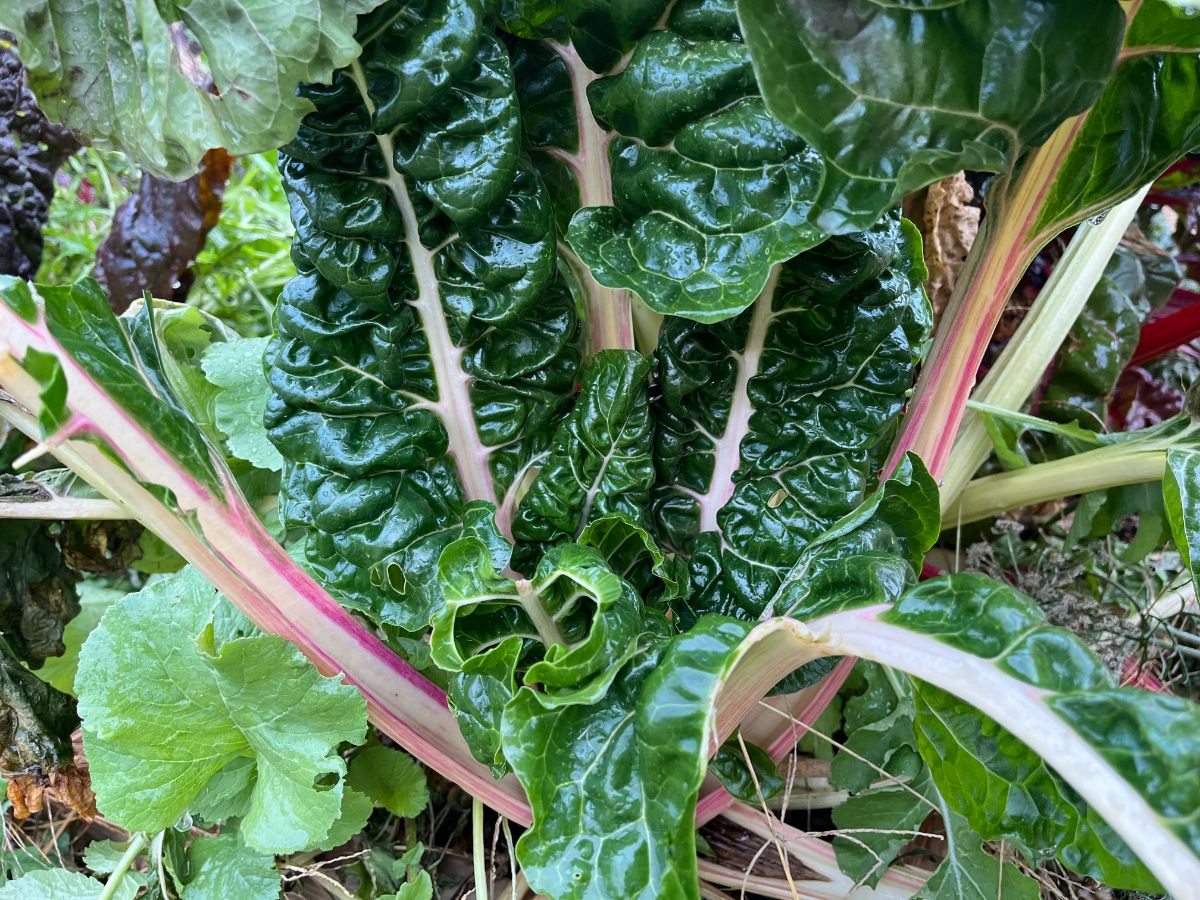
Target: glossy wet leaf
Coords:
[[708, 189], [600, 460], [426, 350], [613, 785], [1003, 788], [771, 425], [748, 773], [892, 102], [1136, 127]]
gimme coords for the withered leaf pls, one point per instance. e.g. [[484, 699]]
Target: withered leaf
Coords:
[[158, 233]]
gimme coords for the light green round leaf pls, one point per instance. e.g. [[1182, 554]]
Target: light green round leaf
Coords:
[[237, 368], [223, 868], [394, 780], [164, 711], [61, 884]]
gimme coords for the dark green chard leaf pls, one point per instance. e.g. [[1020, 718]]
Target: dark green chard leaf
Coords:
[[1139, 125], [895, 96], [690, 190], [634, 555], [1138, 280], [1006, 790], [600, 461], [613, 785], [771, 425], [426, 349], [746, 771], [853, 80], [585, 616]]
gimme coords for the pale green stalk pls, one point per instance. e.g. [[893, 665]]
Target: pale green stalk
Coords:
[[1091, 471], [137, 843], [481, 886], [1012, 379]]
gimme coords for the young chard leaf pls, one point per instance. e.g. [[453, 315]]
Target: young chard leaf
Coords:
[[599, 463], [236, 367], [969, 872]]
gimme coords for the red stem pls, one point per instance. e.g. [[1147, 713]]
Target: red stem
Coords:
[[1175, 328]]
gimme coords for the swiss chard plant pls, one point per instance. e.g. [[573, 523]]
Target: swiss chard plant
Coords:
[[602, 428]]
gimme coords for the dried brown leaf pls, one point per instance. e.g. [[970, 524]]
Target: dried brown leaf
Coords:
[[948, 224], [158, 233]]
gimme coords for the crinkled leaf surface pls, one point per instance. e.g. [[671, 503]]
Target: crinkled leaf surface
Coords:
[[36, 720], [613, 784], [770, 425], [164, 710], [690, 188], [896, 96], [29, 156], [135, 77], [427, 348], [600, 462], [158, 232]]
